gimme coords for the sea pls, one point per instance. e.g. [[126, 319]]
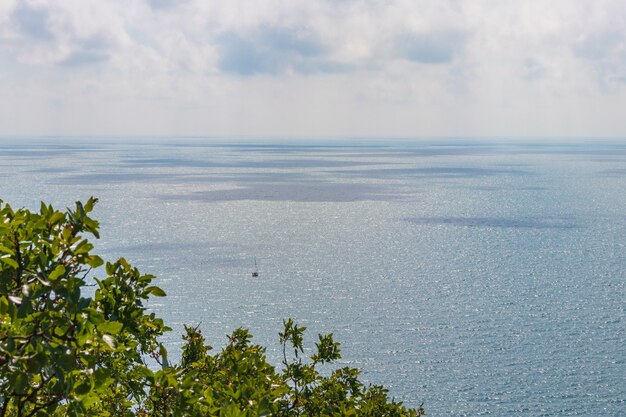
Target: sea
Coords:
[[480, 277]]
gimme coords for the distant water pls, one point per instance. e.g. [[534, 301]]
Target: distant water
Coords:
[[481, 278]]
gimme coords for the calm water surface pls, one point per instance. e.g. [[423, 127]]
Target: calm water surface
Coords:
[[480, 278]]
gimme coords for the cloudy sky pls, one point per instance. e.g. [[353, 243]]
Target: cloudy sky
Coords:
[[291, 68]]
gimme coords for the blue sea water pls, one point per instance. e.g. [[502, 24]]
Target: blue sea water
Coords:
[[482, 278]]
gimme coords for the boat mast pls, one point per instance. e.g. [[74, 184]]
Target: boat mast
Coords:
[[255, 273]]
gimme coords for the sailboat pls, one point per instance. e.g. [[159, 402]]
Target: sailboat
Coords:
[[255, 273]]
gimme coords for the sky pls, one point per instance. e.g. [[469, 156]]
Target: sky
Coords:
[[291, 68]]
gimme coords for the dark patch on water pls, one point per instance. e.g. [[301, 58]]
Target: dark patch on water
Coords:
[[279, 163], [113, 178], [613, 172], [131, 177], [609, 160], [477, 188], [532, 188], [280, 148], [452, 151], [27, 154], [493, 222], [53, 170], [592, 149], [45, 150], [438, 172], [326, 192], [247, 178], [211, 253], [174, 162], [265, 177], [303, 163], [160, 247], [423, 153], [495, 188], [350, 149]]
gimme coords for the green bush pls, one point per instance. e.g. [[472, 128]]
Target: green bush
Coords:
[[65, 354]]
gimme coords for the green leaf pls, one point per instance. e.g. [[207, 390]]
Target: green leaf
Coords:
[[4, 306], [110, 327], [7, 250], [124, 263], [144, 371], [20, 383], [83, 247], [83, 388], [94, 261], [89, 400], [156, 291], [58, 271], [163, 352], [102, 379], [9, 262], [146, 278], [57, 217], [90, 203]]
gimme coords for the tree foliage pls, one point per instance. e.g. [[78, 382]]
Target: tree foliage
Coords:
[[63, 353]]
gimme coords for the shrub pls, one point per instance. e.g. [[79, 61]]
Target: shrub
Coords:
[[63, 353]]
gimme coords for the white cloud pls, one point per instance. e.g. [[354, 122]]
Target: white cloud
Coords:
[[276, 67]]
